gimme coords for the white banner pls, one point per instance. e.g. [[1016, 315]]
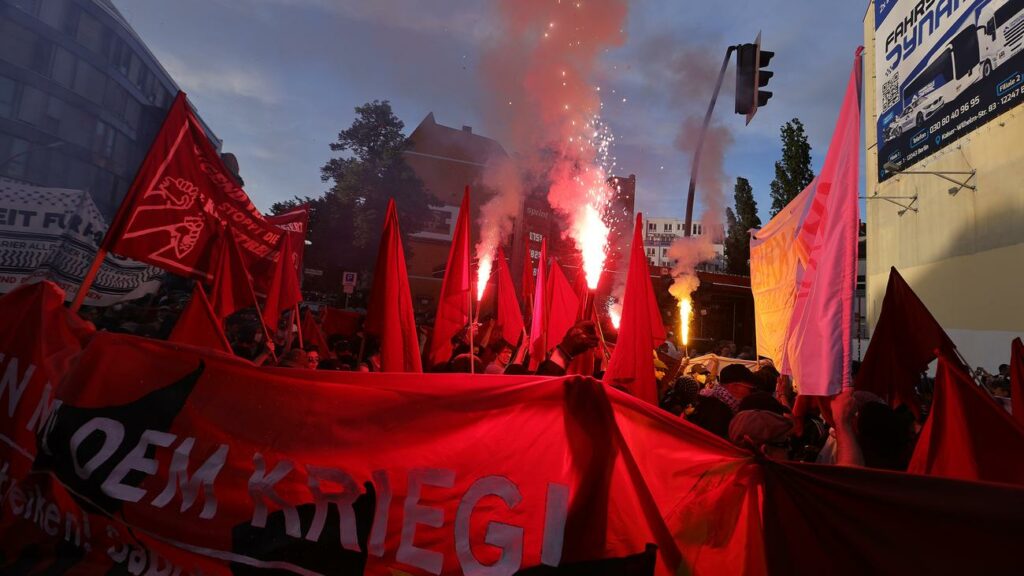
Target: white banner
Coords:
[[53, 234]]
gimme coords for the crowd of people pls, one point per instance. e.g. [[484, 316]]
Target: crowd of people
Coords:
[[745, 401]]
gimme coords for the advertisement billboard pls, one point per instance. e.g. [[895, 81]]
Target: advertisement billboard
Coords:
[[943, 68]]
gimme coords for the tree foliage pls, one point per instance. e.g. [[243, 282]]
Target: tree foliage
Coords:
[[739, 223], [793, 172], [345, 223]]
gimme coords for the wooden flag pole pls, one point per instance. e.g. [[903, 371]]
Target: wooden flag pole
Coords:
[[90, 277], [298, 325]]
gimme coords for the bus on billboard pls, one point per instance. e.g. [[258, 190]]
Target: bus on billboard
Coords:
[[944, 68]]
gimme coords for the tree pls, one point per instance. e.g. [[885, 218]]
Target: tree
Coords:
[[793, 173], [345, 222], [737, 240]]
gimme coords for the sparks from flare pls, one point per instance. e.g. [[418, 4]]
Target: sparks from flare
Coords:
[[615, 314], [483, 274]]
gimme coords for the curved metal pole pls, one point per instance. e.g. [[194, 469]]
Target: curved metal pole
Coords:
[[700, 143]]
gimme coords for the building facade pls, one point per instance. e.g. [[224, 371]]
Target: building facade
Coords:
[[660, 233], [943, 132], [81, 97]]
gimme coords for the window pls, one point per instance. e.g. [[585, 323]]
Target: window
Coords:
[[132, 112], [89, 82], [90, 33], [651, 226], [8, 91], [63, 70], [664, 252], [77, 126], [33, 104], [679, 226], [134, 69], [51, 118], [25, 5], [103, 143], [114, 98], [52, 12], [667, 227], [23, 48], [15, 151], [121, 56]]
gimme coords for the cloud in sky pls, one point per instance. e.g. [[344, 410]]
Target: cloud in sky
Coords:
[[278, 79]]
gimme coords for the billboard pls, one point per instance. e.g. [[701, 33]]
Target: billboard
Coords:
[[943, 68]]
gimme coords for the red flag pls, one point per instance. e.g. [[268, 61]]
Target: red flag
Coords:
[[902, 345], [640, 330], [527, 279], [562, 305], [510, 318], [539, 318], [283, 292], [390, 315], [336, 321], [1017, 380], [314, 335], [967, 435], [182, 195], [453, 303], [199, 325], [232, 286], [296, 223]]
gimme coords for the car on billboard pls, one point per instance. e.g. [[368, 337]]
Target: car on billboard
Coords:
[[1000, 28], [949, 73]]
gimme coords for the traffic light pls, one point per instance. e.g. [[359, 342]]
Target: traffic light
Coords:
[[750, 77]]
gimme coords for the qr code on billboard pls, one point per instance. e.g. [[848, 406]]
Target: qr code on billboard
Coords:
[[891, 92]]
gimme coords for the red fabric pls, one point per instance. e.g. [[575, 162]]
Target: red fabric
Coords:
[[199, 326], [967, 435], [1017, 380], [314, 336], [510, 318], [296, 222], [838, 520], [181, 198], [539, 345], [336, 321], [390, 316], [640, 330], [453, 304], [584, 473], [562, 304], [902, 345], [232, 286], [527, 279], [283, 293]]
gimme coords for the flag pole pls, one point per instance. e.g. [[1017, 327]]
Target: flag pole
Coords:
[[90, 277], [298, 324], [469, 293]]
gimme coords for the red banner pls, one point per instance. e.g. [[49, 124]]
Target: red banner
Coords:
[[154, 458]]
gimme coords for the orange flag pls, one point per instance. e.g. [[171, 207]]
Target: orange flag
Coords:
[[198, 325], [640, 331], [510, 318], [539, 320], [453, 305], [390, 316]]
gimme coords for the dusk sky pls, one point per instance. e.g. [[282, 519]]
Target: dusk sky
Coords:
[[277, 79]]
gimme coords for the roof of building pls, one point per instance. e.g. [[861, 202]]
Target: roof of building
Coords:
[[445, 142]]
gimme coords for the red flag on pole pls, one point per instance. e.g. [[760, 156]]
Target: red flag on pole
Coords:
[[182, 195], [967, 435], [296, 223], [283, 292], [562, 305], [453, 303], [640, 330], [232, 286], [527, 276], [1017, 380], [510, 318], [314, 335], [199, 326], [539, 317], [390, 315], [902, 346]]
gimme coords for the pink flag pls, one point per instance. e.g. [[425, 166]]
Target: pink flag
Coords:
[[818, 339]]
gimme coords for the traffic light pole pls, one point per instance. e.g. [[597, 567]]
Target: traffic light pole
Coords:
[[700, 142]]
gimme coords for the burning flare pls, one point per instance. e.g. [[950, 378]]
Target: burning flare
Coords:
[[685, 316], [483, 274], [615, 314]]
